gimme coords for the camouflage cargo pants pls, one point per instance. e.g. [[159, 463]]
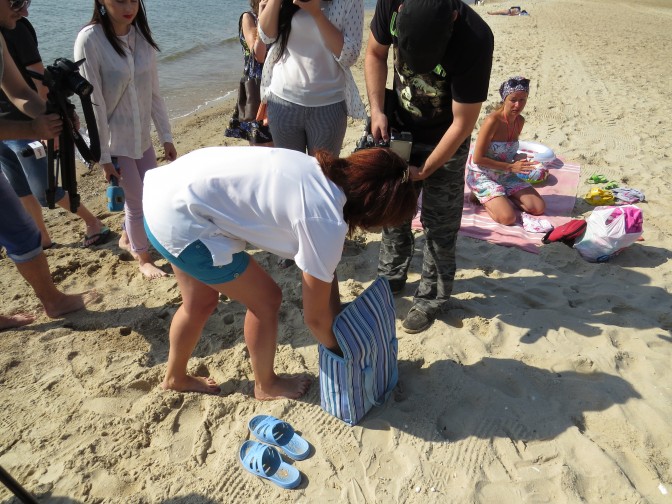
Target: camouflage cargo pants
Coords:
[[442, 198]]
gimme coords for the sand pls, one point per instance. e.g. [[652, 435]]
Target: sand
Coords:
[[548, 380]]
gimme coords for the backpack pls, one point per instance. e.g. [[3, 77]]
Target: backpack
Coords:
[[568, 233]]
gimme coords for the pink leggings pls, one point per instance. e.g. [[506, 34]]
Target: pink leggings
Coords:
[[132, 177]]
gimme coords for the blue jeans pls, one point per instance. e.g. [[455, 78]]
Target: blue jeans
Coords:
[[26, 174], [18, 232]]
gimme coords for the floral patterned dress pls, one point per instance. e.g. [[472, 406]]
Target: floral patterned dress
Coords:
[[253, 131]]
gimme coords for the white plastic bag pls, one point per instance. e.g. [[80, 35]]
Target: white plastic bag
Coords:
[[610, 230]]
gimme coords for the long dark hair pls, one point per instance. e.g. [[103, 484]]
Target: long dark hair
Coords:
[[287, 11], [376, 185], [140, 22]]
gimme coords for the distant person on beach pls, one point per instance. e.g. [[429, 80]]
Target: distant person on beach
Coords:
[[493, 168], [442, 61], [254, 54], [511, 11], [19, 235], [307, 81], [121, 65], [204, 208], [28, 174]]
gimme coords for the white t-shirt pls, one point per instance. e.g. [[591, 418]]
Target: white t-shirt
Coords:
[[277, 200], [307, 74], [348, 17]]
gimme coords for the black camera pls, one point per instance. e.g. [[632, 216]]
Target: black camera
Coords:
[[64, 75], [400, 143], [63, 80]]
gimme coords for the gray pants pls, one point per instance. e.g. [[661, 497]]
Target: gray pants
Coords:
[[299, 128], [442, 198]]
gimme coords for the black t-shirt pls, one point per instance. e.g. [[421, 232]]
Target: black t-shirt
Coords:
[[424, 101], [22, 46]]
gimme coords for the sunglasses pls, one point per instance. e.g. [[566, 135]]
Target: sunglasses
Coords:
[[518, 82], [17, 5]]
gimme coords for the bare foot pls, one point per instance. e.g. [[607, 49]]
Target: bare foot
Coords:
[[124, 243], [151, 271], [283, 387], [68, 303], [191, 384], [93, 229], [16, 320]]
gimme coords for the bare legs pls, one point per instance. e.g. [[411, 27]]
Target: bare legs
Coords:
[[34, 209], [146, 263], [501, 209], [55, 303], [259, 293]]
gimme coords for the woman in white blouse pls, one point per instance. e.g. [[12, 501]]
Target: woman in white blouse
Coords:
[[306, 82], [121, 65]]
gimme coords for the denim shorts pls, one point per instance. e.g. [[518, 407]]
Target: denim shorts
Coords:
[[196, 261]]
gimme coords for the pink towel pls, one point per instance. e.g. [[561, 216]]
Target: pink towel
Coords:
[[559, 193]]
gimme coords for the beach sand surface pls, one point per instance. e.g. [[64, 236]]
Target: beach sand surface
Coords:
[[548, 379]]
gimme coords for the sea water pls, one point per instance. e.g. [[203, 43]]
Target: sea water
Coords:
[[200, 60]]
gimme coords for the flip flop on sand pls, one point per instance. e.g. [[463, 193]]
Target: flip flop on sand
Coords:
[[598, 179], [96, 239], [273, 431], [265, 461]]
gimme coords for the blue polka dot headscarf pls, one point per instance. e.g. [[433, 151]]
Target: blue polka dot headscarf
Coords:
[[513, 84]]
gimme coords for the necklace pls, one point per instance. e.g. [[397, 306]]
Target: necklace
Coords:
[[510, 132]]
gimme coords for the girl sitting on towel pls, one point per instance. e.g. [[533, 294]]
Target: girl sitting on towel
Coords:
[[493, 165], [201, 211]]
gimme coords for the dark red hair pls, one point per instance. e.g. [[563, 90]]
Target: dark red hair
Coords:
[[376, 184]]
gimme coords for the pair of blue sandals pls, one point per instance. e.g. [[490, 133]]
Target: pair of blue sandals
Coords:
[[264, 460]]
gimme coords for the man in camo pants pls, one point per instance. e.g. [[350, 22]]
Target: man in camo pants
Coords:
[[442, 61]]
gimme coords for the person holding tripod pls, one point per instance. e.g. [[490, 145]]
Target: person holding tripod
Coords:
[[120, 63], [18, 233], [27, 174]]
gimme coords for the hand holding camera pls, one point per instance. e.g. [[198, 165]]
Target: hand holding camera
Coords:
[[400, 143]]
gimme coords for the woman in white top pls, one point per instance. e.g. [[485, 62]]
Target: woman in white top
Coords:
[[202, 210], [306, 81], [121, 65]]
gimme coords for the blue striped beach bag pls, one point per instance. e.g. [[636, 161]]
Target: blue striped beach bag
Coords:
[[366, 374]]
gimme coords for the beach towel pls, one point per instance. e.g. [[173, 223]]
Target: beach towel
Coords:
[[366, 374], [559, 193]]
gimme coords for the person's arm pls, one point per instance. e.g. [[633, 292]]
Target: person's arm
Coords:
[[269, 19], [321, 304], [29, 102], [332, 36], [465, 116], [19, 93], [252, 40], [375, 75]]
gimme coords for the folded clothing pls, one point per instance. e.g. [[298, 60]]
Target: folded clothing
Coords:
[[628, 195], [534, 224]]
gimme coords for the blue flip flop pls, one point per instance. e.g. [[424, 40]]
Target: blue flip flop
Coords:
[[265, 461], [273, 431]]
